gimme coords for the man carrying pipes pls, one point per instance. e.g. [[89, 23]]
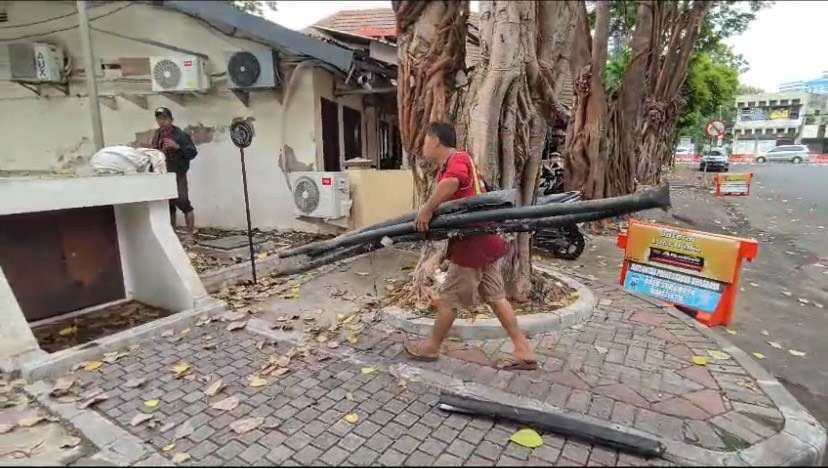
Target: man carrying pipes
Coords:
[[475, 262]]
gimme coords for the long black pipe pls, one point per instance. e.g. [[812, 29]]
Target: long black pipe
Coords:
[[654, 198], [513, 226]]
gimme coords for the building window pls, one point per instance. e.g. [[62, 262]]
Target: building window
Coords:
[[737, 131], [748, 131], [740, 105], [772, 102], [783, 102], [761, 103], [390, 146], [780, 131], [768, 131], [791, 130], [751, 103], [352, 131], [330, 135], [794, 101]]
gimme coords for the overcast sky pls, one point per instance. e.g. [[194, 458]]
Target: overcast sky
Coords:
[[786, 42]]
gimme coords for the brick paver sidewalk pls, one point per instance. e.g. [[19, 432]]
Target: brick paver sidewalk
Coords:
[[630, 364]]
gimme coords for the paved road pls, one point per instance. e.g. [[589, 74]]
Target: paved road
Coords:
[[787, 212]]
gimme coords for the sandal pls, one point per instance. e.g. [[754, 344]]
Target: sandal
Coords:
[[415, 351], [513, 363]]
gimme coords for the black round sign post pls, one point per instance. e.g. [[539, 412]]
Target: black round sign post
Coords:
[[241, 133]]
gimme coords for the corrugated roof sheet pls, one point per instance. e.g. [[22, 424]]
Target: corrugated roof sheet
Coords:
[[267, 32]]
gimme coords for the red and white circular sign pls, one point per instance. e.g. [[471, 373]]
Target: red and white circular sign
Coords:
[[715, 128]]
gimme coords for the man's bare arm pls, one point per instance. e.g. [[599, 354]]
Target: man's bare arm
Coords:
[[443, 192]]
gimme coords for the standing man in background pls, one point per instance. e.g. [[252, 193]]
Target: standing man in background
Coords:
[[178, 149]]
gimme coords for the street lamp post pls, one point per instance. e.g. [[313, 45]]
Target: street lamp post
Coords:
[[91, 84]]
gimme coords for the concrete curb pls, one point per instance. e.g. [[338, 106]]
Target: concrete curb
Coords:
[[800, 443], [483, 329], [60, 362], [116, 446]]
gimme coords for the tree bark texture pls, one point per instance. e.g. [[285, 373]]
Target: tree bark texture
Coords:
[[643, 116], [586, 144], [431, 46], [511, 100]]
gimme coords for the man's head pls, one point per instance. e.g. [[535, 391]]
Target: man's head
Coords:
[[163, 117], [439, 141]]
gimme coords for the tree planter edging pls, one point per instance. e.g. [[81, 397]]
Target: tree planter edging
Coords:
[[483, 329]]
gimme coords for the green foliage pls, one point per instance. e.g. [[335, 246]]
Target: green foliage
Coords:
[[252, 6], [708, 91], [747, 89]]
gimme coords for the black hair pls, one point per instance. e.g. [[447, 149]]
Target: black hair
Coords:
[[444, 133]]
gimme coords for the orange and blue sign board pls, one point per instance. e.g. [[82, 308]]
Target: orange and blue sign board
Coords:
[[733, 183], [695, 270]]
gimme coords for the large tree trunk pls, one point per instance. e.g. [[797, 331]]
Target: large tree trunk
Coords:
[[642, 118], [431, 46], [511, 101], [585, 143]]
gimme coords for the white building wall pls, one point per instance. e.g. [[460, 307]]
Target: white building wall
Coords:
[[52, 133]]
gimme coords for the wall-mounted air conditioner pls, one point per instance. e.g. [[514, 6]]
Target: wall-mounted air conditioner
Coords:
[[179, 73], [37, 62], [252, 69], [321, 194]]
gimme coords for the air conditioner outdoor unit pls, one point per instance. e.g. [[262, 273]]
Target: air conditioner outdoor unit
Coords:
[[179, 73], [252, 69], [32, 62], [321, 194]]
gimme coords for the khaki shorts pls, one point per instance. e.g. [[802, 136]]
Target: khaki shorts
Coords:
[[465, 287]]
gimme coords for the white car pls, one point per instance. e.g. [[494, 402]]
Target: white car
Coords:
[[792, 153]]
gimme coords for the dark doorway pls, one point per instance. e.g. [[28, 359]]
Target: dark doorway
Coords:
[[330, 135], [61, 261], [352, 128]]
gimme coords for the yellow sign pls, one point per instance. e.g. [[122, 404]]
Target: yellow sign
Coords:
[[733, 183], [700, 254]]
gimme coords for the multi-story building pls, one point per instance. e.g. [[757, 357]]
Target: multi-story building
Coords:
[[766, 120], [816, 86]]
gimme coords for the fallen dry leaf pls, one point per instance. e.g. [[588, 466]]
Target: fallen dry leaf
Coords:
[[774, 344], [136, 382], [368, 370], [184, 430], [168, 333], [70, 442], [601, 350], [527, 438], [214, 387], [62, 386], [236, 325], [245, 425], [68, 331], [179, 458], [112, 357], [229, 403], [351, 418], [718, 355], [760, 356], [796, 353], [333, 344], [765, 333], [92, 400], [168, 448], [349, 396], [698, 360], [92, 365], [730, 331], [787, 293], [256, 381], [30, 421], [181, 369], [139, 419], [152, 403], [184, 332]]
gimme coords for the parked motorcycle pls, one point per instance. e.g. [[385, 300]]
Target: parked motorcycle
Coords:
[[566, 242]]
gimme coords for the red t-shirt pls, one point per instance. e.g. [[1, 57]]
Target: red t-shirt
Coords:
[[472, 251]]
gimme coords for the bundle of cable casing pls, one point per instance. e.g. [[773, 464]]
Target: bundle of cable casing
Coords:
[[490, 213]]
